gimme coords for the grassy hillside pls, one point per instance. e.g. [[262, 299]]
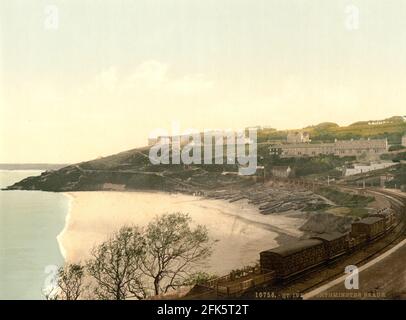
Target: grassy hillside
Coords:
[[134, 170], [392, 128]]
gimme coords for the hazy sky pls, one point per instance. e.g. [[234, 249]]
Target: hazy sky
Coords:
[[99, 76]]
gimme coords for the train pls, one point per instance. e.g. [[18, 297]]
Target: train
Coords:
[[296, 258]]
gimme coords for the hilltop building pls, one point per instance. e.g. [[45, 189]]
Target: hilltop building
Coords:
[[404, 140], [339, 148], [298, 137]]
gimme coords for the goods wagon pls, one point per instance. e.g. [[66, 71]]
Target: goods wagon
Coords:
[[371, 227], [335, 243], [294, 258]]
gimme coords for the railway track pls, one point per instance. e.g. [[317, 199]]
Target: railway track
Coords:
[[333, 269], [399, 202], [361, 262]]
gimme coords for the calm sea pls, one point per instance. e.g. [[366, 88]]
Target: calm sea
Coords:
[[29, 224]]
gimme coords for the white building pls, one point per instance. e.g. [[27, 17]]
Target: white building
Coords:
[[404, 140], [361, 168]]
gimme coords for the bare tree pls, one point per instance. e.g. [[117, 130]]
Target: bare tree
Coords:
[[70, 282], [115, 266], [173, 250], [50, 294]]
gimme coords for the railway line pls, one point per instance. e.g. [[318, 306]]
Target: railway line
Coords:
[[369, 257], [329, 269], [304, 283]]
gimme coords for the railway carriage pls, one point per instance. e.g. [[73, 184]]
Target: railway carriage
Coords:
[[388, 215], [371, 227], [336, 243], [294, 258], [356, 243]]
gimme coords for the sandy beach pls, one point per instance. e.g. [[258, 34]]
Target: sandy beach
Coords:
[[240, 231]]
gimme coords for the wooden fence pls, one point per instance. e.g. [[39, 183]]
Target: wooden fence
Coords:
[[239, 281]]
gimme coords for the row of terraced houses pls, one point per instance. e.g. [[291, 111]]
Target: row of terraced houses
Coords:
[[341, 148]]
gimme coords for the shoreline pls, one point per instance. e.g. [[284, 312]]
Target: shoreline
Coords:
[[240, 232], [62, 249]]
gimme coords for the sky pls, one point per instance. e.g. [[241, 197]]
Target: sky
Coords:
[[81, 79]]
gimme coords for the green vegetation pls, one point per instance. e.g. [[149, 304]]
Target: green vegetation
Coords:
[[348, 211], [321, 165], [392, 128], [134, 170], [396, 147], [345, 199], [316, 207], [348, 204], [399, 177], [358, 212], [397, 157]]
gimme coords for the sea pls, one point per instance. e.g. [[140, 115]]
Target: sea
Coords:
[[30, 222]]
